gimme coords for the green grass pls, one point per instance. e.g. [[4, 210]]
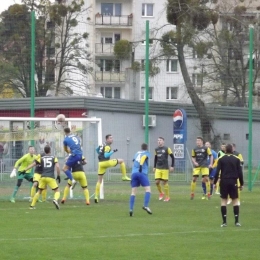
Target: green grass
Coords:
[[180, 229]]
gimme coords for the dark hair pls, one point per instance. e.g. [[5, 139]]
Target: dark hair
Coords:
[[229, 148], [47, 149], [199, 137], [144, 146], [66, 130], [107, 136], [161, 138]]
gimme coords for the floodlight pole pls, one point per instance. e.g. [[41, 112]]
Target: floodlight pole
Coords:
[[32, 82], [250, 101], [147, 36]]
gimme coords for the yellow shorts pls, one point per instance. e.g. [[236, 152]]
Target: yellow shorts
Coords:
[[80, 177], [102, 166], [44, 181], [200, 170], [36, 177], [162, 174]]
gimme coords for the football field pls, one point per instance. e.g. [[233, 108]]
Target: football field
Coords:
[[180, 229]]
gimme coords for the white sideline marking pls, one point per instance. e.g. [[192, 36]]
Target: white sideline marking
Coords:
[[128, 235]]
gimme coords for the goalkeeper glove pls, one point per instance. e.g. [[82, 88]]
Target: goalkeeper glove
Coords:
[[58, 178], [115, 150], [140, 168], [13, 173]]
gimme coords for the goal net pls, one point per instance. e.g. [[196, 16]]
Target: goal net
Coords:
[[18, 133]]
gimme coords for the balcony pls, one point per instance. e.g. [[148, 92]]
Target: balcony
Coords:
[[106, 48], [110, 76], [122, 20]]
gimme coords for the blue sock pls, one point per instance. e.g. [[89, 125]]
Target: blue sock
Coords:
[[132, 202], [211, 188], [203, 185], [147, 196], [69, 175]]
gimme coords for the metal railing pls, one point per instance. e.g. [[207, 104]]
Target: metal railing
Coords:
[[104, 48], [123, 20], [110, 76]]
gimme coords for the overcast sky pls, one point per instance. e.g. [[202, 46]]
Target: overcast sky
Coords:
[[4, 4]]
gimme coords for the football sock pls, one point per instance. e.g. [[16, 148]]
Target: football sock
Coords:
[[159, 187], [15, 191], [123, 169], [217, 186], [86, 194], [208, 187], [193, 186], [33, 191], [211, 188], [44, 195], [236, 213], [97, 190], [147, 196], [166, 190], [66, 192], [203, 185], [224, 213], [68, 174], [132, 202], [35, 199], [57, 195]]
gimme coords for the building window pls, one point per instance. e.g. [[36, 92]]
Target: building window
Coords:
[[147, 9], [151, 89], [50, 71], [110, 92], [197, 79], [110, 65], [171, 65], [171, 93], [108, 9]]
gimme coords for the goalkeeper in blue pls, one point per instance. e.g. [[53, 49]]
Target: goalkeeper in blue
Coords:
[[140, 178]]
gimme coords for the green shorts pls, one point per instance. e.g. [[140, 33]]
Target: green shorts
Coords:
[[26, 176]]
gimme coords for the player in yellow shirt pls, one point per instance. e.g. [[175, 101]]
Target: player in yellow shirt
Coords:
[[21, 165]]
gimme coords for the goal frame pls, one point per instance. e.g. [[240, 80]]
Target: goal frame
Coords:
[[69, 120]]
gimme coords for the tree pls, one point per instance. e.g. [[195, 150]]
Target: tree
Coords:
[[190, 18], [60, 49], [229, 55]]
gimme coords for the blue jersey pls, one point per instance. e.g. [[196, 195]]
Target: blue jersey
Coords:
[[73, 143], [137, 160], [215, 156]]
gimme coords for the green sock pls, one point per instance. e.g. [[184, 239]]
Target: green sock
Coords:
[[15, 191]]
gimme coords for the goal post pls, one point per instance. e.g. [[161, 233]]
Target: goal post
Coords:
[[16, 135]]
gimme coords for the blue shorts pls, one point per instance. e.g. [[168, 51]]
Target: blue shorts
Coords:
[[138, 179], [212, 173], [73, 160]]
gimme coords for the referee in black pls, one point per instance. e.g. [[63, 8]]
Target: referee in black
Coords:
[[229, 170]]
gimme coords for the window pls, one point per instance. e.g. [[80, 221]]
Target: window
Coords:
[[107, 39], [108, 9], [117, 37], [147, 9], [143, 93], [171, 93], [50, 71], [110, 92], [171, 65], [197, 79], [110, 65]]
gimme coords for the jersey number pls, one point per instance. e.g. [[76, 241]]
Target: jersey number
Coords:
[[75, 140], [138, 158], [47, 162]]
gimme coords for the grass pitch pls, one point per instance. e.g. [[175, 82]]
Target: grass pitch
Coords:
[[180, 229]]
